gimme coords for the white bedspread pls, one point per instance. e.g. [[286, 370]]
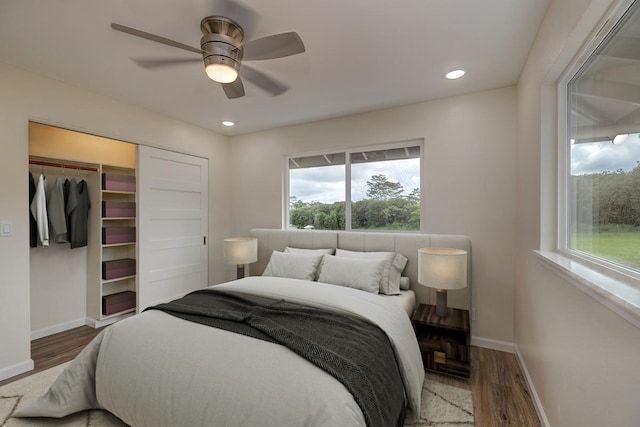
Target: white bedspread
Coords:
[[157, 370]]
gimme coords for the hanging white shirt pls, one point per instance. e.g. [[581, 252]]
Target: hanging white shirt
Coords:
[[39, 211]]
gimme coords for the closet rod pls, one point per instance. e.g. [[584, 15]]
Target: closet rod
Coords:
[[62, 165]]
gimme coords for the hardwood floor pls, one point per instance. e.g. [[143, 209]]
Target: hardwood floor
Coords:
[[500, 394], [55, 349]]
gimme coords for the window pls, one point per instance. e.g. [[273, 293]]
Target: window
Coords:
[[603, 152], [364, 189]]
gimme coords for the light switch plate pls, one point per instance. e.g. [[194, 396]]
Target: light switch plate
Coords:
[[6, 228]]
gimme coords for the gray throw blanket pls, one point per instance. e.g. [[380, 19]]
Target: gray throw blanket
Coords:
[[356, 352]]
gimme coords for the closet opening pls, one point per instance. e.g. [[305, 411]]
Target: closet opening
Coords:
[[67, 279]]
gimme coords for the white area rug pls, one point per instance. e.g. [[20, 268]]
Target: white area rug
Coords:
[[442, 405]]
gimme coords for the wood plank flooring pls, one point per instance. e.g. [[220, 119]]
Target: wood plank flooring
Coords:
[[500, 394], [55, 349]]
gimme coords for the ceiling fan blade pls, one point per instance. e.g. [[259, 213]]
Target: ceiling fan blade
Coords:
[[154, 38], [151, 63], [235, 89], [275, 46], [262, 80]]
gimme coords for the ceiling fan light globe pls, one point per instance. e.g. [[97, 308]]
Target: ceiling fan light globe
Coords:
[[221, 73]]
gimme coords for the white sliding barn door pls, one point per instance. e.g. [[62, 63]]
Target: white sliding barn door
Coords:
[[172, 219]]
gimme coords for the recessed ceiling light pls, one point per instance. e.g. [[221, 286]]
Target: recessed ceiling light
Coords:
[[228, 123], [455, 74]]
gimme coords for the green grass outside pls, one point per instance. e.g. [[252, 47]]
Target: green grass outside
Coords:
[[620, 247]]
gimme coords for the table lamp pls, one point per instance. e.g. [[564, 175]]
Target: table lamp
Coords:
[[442, 268], [240, 251]]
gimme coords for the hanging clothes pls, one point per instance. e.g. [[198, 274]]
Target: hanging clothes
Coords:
[[39, 211], [56, 212], [66, 186], [77, 208], [33, 225]]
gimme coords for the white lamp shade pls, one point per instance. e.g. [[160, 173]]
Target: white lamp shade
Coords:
[[240, 250], [442, 268]]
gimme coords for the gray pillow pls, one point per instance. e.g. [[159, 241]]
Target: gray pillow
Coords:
[[362, 274], [293, 265], [394, 265]]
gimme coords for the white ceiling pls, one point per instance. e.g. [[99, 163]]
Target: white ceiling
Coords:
[[361, 55]]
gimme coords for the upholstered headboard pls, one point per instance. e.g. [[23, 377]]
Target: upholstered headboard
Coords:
[[270, 240]]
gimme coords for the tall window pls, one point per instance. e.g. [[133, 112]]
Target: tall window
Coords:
[[603, 183], [365, 189]]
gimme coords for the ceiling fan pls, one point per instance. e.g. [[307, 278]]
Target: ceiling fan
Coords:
[[223, 50]]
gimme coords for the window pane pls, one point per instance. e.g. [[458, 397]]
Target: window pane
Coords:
[[385, 189], [317, 192], [604, 132]]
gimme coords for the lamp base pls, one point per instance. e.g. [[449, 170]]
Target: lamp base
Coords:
[[441, 302], [240, 271]]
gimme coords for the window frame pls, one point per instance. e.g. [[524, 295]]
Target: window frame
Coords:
[[419, 142], [617, 271], [605, 282]]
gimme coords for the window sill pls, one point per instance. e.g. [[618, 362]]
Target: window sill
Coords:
[[615, 294]]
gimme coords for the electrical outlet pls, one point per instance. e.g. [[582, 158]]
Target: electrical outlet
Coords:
[[473, 314]]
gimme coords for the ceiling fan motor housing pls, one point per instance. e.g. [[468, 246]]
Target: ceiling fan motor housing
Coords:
[[222, 42]]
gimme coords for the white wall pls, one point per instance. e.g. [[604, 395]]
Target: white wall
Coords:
[[25, 97], [469, 181], [583, 359]]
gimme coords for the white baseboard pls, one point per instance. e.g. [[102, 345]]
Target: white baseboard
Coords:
[[506, 346], [17, 369], [536, 399], [94, 323], [61, 327]]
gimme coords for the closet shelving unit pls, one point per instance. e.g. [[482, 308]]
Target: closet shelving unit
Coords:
[[103, 252]]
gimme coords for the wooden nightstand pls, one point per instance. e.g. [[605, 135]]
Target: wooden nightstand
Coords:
[[444, 341]]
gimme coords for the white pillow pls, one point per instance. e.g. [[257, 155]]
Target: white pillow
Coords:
[[405, 284], [399, 263], [293, 265], [362, 274], [393, 267], [309, 251]]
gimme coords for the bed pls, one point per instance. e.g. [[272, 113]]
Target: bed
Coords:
[[163, 368]]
